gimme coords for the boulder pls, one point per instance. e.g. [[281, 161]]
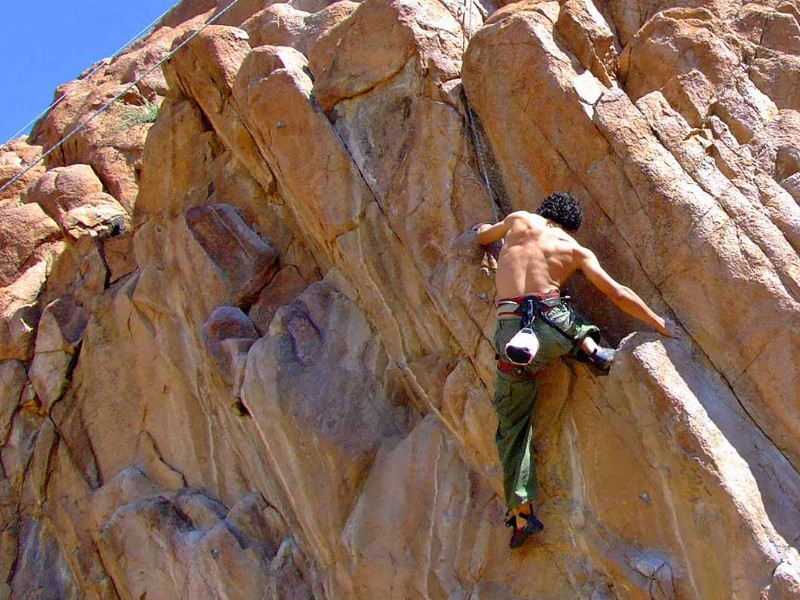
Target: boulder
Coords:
[[284, 287], [590, 38], [63, 188], [73, 197], [25, 228], [320, 373], [20, 312], [282, 24], [242, 257], [12, 380], [189, 557], [118, 255], [60, 333], [395, 31], [228, 335], [17, 173]]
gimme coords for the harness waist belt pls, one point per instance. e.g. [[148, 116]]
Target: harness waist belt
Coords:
[[512, 307], [528, 307]]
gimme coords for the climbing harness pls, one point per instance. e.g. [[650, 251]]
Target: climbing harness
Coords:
[[531, 307], [521, 349], [523, 346], [106, 106]]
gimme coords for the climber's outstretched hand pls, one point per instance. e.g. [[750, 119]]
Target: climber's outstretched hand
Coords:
[[493, 248], [670, 328]]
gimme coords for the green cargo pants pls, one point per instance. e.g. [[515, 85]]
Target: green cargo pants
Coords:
[[515, 395]]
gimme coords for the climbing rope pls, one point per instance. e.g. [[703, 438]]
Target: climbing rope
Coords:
[[106, 106], [464, 13], [97, 67]]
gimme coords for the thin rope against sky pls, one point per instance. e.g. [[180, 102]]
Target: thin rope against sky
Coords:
[[105, 107], [97, 67]]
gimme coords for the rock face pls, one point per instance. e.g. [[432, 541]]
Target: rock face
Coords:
[[245, 350]]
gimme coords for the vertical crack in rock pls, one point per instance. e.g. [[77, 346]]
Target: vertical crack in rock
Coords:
[[353, 161], [492, 175], [49, 467]]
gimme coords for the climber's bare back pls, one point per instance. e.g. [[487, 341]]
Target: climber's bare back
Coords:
[[537, 256]]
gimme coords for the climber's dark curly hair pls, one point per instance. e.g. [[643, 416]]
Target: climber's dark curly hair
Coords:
[[562, 208]]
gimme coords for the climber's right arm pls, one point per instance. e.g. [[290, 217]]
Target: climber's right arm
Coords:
[[625, 298], [488, 233]]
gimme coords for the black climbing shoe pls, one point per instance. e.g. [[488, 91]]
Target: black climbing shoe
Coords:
[[602, 358], [521, 534]]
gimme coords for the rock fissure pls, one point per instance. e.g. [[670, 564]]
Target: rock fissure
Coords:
[[731, 387], [110, 572], [329, 107], [735, 380], [14, 529], [500, 209]]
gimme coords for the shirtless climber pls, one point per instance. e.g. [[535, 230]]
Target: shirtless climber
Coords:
[[535, 327]]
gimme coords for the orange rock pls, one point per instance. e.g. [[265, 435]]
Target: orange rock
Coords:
[[589, 37], [283, 25], [228, 335], [395, 31], [282, 371], [60, 332], [283, 288], [73, 196], [24, 229], [245, 260], [16, 158]]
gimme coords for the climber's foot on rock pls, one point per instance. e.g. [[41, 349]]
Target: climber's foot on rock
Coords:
[[596, 355], [602, 357], [525, 525]]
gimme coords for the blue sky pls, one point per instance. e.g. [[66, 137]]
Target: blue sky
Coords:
[[49, 42]]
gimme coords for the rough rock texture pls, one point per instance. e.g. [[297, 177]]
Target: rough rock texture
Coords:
[[245, 350], [73, 196], [17, 170]]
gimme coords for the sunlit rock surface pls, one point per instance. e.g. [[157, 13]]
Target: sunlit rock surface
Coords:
[[245, 349]]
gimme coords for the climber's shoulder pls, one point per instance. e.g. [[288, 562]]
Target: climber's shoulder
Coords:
[[523, 221]]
